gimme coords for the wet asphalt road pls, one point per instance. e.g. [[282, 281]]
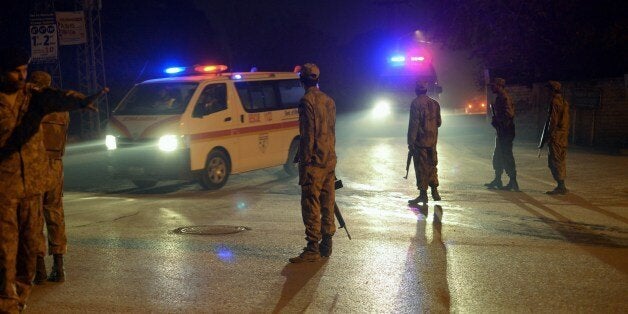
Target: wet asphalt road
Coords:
[[477, 250]]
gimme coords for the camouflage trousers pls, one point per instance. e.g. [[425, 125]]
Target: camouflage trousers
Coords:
[[425, 167], [317, 203], [20, 233], [53, 214], [556, 160], [503, 158]]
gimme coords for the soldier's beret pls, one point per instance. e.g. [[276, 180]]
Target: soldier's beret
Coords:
[[40, 78], [420, 85], [554, 85], [310, 71], [13, 57], [498, 81]]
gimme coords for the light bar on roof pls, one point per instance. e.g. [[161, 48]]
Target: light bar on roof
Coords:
[[210, 68], [174, 70]]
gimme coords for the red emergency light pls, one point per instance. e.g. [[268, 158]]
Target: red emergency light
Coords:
[[210, 68]]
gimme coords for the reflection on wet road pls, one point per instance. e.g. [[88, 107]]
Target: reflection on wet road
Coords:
[[477, 250]]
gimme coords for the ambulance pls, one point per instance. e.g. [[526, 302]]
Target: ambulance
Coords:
[[204, 123]]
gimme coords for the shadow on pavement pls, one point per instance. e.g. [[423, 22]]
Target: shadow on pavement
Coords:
[[303, 276], [424, 287], [576, 233], [579, 201]]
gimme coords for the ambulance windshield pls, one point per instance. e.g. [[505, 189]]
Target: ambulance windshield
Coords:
[[157, 99]]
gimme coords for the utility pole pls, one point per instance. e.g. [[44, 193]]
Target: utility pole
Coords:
[[91, 68]]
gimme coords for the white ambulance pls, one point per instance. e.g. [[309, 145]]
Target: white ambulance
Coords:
[[205, 125]]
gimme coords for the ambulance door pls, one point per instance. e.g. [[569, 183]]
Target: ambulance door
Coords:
[[256, 137], [211, 125]]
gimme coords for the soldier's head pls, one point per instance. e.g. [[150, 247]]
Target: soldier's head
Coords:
[[554, 86], [309, 74], [420, 88], [40, 79], [497, 84], [13, 69]]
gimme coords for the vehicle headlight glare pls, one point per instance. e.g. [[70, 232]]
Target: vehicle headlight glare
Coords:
[[110, 142], [381, 109], [168, 143]]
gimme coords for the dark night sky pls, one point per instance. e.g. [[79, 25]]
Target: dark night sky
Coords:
[[346, 38]]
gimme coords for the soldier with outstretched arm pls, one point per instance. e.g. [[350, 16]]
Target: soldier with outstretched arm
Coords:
[[24, 171]]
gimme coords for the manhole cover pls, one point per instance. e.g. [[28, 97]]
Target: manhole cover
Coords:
[[211, 230]]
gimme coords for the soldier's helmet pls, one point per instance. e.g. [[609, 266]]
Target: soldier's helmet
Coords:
[[13, 57], [498, 81], [309, 72], [554, 86], [40, 78]]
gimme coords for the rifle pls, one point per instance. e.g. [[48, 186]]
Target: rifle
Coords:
[[408, 162], [341, 220], [544, 133]]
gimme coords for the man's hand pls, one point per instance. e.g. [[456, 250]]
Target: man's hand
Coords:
[[89, 100]]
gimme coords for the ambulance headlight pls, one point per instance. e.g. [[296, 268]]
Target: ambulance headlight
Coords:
[[110, 142], [381, 109], [168, 143]]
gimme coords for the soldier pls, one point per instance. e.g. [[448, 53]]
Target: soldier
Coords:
[[503, 122], [55, 128], [24, 172], [558, 114], [317, 164], [422, 138]]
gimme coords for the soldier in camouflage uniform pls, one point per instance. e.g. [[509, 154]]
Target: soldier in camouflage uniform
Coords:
[[55, 128], [558, 112], [503, 122], [24, 172], [422, 138], [317, 164]]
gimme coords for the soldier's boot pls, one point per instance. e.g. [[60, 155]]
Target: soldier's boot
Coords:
[[496, 183], [560, 189], [310, 254], [512, 185], [57, 274], [422, 198], [326, 245], [435, 195], [40, 271]]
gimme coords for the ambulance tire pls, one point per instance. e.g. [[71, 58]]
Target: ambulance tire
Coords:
[[145, 183], [291, 168], [217, 170]]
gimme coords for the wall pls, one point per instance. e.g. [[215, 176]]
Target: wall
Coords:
[[599, 111]]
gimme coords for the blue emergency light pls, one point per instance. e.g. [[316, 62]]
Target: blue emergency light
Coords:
[[174, 70]]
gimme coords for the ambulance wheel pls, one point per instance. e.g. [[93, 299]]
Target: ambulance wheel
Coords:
[[291, 168], [216, 171], [145, 183]]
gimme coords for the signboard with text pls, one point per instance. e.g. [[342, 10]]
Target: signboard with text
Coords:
[[71, 28], [43, 37]]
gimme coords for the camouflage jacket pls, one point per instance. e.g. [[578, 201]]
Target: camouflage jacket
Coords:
[[503, 121], [55, 127], [24, 168], [317, 126], [424, 122], [559, 120]]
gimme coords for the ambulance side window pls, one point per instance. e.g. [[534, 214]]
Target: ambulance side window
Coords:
[[291, 93], [213, 99], [258, 96]]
